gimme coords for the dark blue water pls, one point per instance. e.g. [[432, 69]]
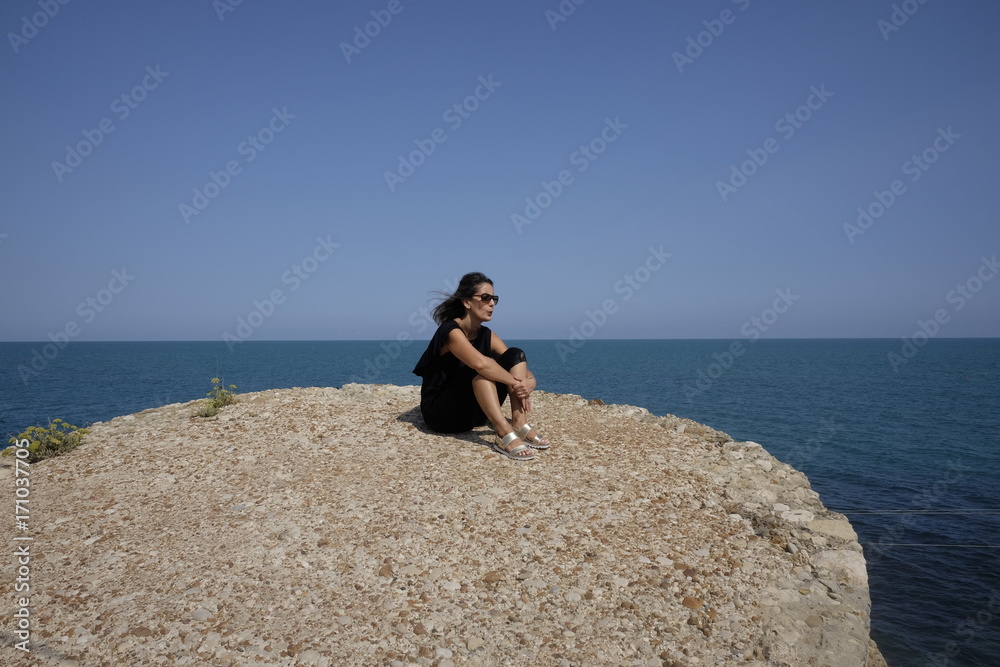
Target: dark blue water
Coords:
[[923, 439]]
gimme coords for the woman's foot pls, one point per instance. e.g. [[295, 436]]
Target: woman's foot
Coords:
[[531, 437], [512, 447]]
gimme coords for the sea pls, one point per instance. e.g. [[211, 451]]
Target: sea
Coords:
[[902, 439]]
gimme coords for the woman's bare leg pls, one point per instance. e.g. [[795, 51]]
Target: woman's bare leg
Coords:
[[486, 394], [518, 415]]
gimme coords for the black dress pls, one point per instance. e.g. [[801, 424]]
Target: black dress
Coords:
[[447, 400]]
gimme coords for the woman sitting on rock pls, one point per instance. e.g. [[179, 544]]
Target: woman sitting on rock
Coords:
[[468, 372]]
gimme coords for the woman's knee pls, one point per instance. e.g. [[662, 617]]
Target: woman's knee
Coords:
[[511, 357]]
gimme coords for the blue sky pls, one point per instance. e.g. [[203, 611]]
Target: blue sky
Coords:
[[694, 166]]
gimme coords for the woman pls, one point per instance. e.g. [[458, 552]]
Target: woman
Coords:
[[468, 372]]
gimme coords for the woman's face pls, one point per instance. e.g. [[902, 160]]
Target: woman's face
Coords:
[[478, 309]]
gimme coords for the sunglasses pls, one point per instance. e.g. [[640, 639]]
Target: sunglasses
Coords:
[[486, 298]]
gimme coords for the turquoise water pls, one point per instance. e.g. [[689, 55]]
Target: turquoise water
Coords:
[[921, 438]]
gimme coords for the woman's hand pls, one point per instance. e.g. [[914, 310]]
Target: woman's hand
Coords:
[[520, 388]]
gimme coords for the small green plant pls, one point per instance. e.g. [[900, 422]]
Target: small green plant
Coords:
[[44, 443], [218, 398]]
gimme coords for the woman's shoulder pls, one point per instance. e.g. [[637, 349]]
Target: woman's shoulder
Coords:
[[440, 336], [430, 358], [447, 326]]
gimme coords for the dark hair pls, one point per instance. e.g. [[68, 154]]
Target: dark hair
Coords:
[[452, 306]]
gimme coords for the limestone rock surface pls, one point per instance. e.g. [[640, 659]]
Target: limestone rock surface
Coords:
[[321, 526]]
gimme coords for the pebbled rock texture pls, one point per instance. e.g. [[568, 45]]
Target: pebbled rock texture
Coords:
[[327, 526]]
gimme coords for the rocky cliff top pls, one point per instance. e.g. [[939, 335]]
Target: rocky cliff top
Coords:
[[328, 527]]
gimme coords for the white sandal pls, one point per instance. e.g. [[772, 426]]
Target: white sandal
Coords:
[[513, 453], [534, 443]]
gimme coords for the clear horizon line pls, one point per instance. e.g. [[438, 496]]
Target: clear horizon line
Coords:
[[513, 338]]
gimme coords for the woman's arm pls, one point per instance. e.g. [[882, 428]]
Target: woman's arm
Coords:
[[497, 346], [460, 346]]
